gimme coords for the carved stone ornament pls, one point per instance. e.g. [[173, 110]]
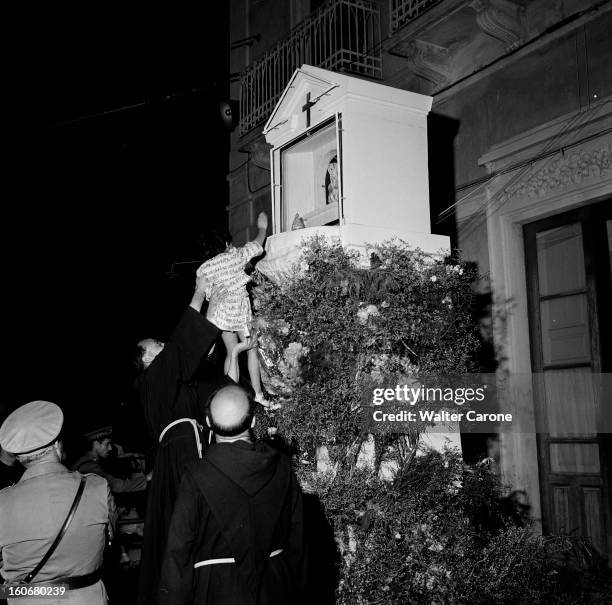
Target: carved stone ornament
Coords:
[[565, 171], [502, 20], [429, 61]]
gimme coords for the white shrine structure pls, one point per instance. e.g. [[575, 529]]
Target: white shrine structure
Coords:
[[349, 157], [348, 162]]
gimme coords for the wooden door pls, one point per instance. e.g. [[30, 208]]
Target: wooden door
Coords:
[[568, 274]]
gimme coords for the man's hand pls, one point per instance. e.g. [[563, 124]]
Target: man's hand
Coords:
[[201, 284], [262, 221], [217, 296], [245, 345]]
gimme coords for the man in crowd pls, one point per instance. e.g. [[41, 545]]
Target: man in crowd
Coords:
[[35, 510], [100, 448], [173, 409], [237, 533], [126, 491]]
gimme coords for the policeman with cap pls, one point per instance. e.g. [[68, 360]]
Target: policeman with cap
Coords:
[[52, 521]]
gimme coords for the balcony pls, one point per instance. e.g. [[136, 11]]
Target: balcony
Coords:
[[343, 36]]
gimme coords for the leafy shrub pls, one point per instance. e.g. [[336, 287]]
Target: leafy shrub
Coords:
[[423, 539], [441, 532], [337, 325]]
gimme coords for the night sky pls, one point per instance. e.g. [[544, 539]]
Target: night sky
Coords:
[[95, 211]]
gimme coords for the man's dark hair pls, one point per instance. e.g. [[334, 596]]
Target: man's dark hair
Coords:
[[242, 425]]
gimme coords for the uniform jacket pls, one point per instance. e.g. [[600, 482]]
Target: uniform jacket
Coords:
[[9, 475], [31, 514]]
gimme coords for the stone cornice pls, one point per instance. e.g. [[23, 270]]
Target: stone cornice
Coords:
[[566, 170], [428, 61], [502, 20], [569, 156]]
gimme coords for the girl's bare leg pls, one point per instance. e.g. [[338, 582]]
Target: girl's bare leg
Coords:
[[253, 365], [230, 340]]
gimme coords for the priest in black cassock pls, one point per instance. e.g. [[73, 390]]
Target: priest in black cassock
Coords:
[[173, 409], [237, 531]]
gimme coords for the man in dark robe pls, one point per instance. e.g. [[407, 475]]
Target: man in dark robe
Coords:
[[171, 405], [237, 532]]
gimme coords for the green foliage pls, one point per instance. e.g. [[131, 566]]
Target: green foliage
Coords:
[[441, 532], [338, 324]]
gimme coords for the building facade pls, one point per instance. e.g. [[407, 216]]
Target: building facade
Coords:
[[520, 165]]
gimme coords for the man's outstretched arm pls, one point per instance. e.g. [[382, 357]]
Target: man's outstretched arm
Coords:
[[193, 336]]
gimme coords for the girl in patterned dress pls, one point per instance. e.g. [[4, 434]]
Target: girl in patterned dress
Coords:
[[231, 312]]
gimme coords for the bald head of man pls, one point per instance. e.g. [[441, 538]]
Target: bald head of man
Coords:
[[230, 412]]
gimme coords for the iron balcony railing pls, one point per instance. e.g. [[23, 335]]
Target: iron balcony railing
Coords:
[[342, 35], [404, 11]]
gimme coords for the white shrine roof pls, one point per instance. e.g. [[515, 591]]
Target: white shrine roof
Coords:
[[328, 87]]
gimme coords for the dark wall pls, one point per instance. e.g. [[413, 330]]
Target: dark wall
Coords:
[[554, 80], [270, 21], [95, 210]]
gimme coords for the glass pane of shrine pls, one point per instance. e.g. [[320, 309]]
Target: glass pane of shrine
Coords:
[[310, 179]]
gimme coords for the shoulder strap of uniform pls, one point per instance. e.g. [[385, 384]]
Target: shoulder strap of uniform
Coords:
[[62, 531]]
